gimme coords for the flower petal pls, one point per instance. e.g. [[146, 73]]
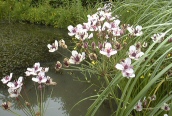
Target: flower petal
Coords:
[[119, 67]]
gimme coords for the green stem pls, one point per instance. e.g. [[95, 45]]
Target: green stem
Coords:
[[49, 99], [110, 101], [14, 113]]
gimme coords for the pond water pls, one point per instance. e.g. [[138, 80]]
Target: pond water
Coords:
[[66, 93]]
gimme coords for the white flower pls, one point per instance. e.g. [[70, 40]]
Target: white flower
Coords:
[[81, 35], [165, 107], [165, 114], [158, 38], [36, 68], [135, 31], [138, 106], [7, 78], [74, 30], [92, 19], [107, 50], [126, 68], [126, 74], [40, 78], [152, 98], [14, 92], [16, 84], [53, 47], [134, 53], [44, 69], [62, 43], [50, 81], [76, 57]]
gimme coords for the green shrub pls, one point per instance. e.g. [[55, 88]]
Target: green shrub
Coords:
[[47, 12]]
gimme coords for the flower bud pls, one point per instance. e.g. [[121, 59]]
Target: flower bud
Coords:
[[6, 105], [66, 62], [93, 56], [58, 66]]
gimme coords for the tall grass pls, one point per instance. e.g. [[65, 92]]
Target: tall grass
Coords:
[[152, 70]]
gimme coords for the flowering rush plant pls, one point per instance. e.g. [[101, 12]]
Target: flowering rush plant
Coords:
[[16, 86], [122, 60]]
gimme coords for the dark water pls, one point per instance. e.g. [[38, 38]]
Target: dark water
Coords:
[[66, 93]]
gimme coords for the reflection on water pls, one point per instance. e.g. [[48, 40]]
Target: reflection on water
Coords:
[[65, 95]]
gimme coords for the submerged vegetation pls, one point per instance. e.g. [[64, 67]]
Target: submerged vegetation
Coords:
[[23, 44], [125, 45]]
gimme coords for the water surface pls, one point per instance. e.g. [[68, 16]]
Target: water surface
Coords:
[[66, 93]]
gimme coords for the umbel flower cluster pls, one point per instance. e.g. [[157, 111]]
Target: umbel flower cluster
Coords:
[[102, 35], [103, 39], [15, 86]]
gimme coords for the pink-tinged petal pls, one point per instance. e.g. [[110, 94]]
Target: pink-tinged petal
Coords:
[[129, 70], [105, 25], [27, 73], [108, 55], [4, 81], [119, 67], [70, 27], [56, 43], [138, 27], [113, 52], [130, 29], [30, 69], [108, 45], [71, 34], [52, 50], [20, 79], [71, 61], [83, 55], [7, 78], [103, 52], [139, 34], [43, 80], [117, 22], [90, 36], [49, 46], [74, 53], [14, 92], [14, 95], [11, 74], [35, 79], [132, 75], [132, 48], [140, 54], [128, 61], [10, 84], [79, 26], [45, 69], [124, 74]]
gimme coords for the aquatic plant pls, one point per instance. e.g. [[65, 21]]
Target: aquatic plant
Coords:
[[22, 99], [131, 62]]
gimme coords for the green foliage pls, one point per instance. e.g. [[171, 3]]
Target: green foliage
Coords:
[[59, 14], [153, 70], [153, 75]]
